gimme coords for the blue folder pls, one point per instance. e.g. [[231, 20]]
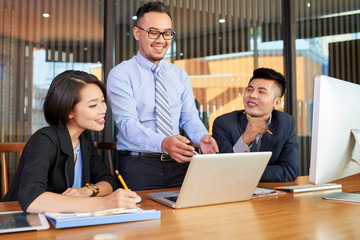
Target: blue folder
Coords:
[[107, 219]]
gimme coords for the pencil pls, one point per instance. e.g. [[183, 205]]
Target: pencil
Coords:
[[266, 130], [121, 180]]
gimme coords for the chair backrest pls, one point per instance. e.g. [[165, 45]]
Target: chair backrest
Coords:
[[109, 146], [4, 149]]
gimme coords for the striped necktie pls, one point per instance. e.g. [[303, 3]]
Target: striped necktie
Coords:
[[162, 109], [255, 147]]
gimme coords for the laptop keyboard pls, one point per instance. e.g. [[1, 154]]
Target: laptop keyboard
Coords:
[[171, 198]]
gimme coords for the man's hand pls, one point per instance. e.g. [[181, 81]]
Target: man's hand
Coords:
[[177, 147], [254, 127], [208, 145]]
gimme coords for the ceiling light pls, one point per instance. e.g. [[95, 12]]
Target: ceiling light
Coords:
[[46, 15], [134, 17], [348, 13], [222, 20]]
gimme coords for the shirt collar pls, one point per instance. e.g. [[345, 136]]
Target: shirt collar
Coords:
[[269, 120], [145, 63]]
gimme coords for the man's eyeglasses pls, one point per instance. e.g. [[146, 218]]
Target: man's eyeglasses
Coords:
[[154, 34]]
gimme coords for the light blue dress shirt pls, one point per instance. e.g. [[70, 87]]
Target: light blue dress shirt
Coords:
[[131, 94]]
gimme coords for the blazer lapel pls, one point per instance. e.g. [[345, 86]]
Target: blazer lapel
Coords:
[[242, 120], [66, 148], [85, 153]]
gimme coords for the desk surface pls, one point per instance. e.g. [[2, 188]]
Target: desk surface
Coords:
[[287, 216]]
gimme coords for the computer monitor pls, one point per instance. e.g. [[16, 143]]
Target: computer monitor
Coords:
[[335, 152]]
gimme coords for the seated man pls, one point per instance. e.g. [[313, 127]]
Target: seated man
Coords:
[[262, 128]]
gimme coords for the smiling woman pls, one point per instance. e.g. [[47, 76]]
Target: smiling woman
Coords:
[[59, 163]]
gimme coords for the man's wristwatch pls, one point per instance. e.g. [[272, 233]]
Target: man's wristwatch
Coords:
[[93, 188]]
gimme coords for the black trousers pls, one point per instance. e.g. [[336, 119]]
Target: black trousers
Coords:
[[142, 173]]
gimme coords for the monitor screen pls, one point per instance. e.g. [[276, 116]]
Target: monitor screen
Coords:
[[336, 112]]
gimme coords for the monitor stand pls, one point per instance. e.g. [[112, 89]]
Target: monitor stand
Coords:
[[349, 196], [344, 196]]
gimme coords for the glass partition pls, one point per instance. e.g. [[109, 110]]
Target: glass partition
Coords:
[[327, 43], [40, 39]]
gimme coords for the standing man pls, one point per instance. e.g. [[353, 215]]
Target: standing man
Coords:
[[150, 99], [262, 128]]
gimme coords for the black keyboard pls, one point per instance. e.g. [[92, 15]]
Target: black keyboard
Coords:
[[172, 198]]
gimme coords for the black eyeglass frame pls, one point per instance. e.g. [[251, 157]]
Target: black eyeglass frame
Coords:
[[160, 33]]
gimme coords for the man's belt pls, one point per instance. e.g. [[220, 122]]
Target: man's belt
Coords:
[[159, 156]]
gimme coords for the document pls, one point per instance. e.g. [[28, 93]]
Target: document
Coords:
[[117, 215], [96, 213], [262, 192]]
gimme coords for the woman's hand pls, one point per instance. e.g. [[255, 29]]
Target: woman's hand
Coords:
[[120, 198]]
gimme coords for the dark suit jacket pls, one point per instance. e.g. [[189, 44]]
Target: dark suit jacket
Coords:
[[284, 162], [47, 164]]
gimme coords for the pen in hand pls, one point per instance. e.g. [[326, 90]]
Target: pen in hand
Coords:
[[121, 180], [138, 198], [266, 130]]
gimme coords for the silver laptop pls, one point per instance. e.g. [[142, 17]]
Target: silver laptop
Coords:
[[217, 178]]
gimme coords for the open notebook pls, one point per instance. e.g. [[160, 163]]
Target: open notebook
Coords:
[[217, 178]]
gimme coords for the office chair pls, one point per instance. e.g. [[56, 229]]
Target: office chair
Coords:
[[5, 148], [107, 146]]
